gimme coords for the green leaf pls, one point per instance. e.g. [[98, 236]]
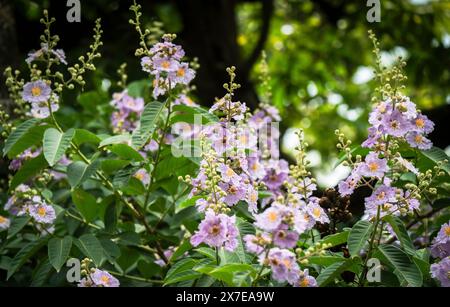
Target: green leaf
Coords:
[[441, 203], [33, 137], [226, 272], [85, 136], [336, 239], [181, 271], [405, 269], [330, 273], [115, 139], [29, 169], [78, 172], [358, 236], [41, 274], [436, 155], [111, 166], [24, 254], [17, 224], [188, 113], [18, 133], [123, 176], [86, 204], [138, 88], [58, 251], [147, 124], [402, 235], [325, 260], [91, 247], [55, 144], [126, 152]]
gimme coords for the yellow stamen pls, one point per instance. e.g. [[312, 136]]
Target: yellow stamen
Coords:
[[420, 123], [317, 212], [36, 91], [41, 211], [447, 230], [272, 216], [373, 166]]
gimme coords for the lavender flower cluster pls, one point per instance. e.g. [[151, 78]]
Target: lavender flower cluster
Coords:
[[24, 201], [441, 249], [393, 121], [165, 65]]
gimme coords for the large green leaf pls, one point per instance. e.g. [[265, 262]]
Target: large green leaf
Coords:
[[17, 224], [78, 172], [330, 273], [86, 204], [85, 136], [226, 272], [58, 251], [402, 235], [55, 144], [32, 137], [336, 239], [358, 236], [406, 270], [91, 247], [24, 254], [147, 124], [29, 169], [181, 271], [41, 274], [187, 114], [126, 152], [436, 155], [18, 133], [115, 139]]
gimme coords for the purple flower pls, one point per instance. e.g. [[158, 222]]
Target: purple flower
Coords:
[[381, 195], [41, 109], [4, 223], [373, 138], [284, 265], [146, 64], [441, 271], [86, 283], [422, 124], [373, 166], [41, 212], [276, 174], [60, 55], [305, 280], [417, 140], [316, 212], [143, 176], [104, 279], [256, 243], [217, 231], [407, 108], [183, 74], [256, 169], [271, 218], [395, 124], [441, 243], [347, 186], [36, 91], [235, 193], [167, 253], [284, 238], [228, 174]]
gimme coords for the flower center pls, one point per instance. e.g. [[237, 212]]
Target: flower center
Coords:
[[282, 234], [418, 138], [181, 72], [42, 211], [232, 190], [446, 230], [272, 216], [316, 212], [394, 124], [165, 64], [420, 123], [287, 263], [304, 282], [373, 166], [36, 91], [381, 195], [2, 219], [229, 172], [105, 279], [215, 230]]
